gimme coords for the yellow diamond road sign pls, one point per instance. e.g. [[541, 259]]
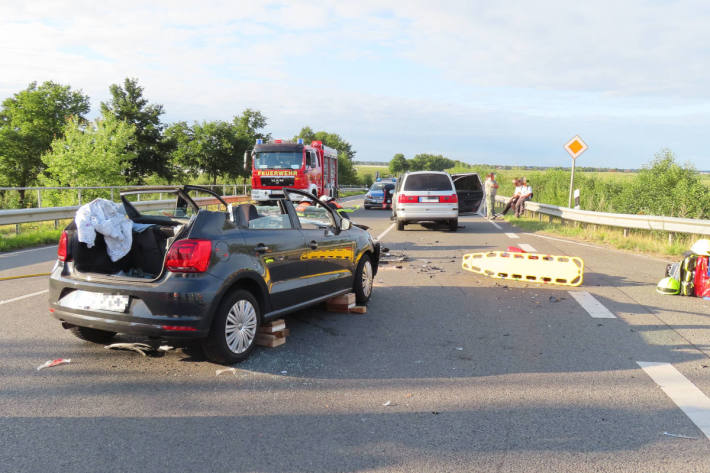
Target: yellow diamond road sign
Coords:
[[576, 146]]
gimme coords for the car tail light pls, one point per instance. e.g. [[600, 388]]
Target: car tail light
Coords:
[[178, 328], [407, 199], [62, 251], [189, 256], [449, 199]]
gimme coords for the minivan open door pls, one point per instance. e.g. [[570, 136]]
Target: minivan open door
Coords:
[[469, 190]]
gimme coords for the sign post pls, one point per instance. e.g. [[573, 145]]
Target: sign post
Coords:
[[574, 147]]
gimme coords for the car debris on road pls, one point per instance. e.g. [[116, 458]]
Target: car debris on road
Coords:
[[53, 363], [141, 348]]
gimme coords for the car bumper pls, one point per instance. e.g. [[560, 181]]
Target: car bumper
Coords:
[[266, 194], [180, 306], [422, 213]]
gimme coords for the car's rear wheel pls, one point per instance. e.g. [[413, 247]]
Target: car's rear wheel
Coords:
[[232, 336], [400, 224], [364, 277], [92, 335], [453, 224]]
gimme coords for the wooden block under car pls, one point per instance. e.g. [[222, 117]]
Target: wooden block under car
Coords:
[[274, 326], [330, 307], [359, 309], [270, 340], [344, 299], [272, 334]]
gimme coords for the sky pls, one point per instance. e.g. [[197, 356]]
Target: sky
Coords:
[[505, 82]]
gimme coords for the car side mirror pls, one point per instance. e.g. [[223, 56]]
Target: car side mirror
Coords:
[[346, 224]]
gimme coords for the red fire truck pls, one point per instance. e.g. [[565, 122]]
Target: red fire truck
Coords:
[[280, 164]]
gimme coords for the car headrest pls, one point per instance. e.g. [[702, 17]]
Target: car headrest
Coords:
[[247, 212]]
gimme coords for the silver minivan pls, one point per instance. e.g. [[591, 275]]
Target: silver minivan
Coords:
[[425, 196]]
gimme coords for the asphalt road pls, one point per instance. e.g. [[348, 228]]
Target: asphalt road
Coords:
[[447, 371]]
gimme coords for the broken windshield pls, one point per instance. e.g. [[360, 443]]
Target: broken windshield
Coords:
[[278, 160]]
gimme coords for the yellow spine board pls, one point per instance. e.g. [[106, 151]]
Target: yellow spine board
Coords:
[[528, 267]]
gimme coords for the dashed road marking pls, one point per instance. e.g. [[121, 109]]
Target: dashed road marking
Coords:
[[385, 232], [691, 400], [591, 305], [495, 225], [23, 297], [526, 247], [512, 235]]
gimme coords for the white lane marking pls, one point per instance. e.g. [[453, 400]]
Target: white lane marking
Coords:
[[568, 241], [591, 305], [385, 232], [691, 400], [7, 255], [512, 235], [597, 247], [495, 225], [528, 248], [23, 297]]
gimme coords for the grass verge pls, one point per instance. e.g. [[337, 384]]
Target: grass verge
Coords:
[[29, 239], [638, 241]]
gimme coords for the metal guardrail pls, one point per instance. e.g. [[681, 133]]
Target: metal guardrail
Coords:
[[17, 216], [244, 188], [627, 221]]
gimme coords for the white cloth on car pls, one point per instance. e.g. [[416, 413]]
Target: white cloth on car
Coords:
[[109, 219]]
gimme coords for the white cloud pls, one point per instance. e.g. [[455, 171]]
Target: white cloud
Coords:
[[416, 69]]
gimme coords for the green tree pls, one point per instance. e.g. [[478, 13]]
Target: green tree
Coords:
[[665, 188], [151, 149], [249, 126], [346, 172], [29, 121], [430, 162], [94, 154], [398, 164], [367, 180], [211, 148]]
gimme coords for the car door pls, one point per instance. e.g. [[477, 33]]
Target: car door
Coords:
[[330, 251], [272, 236]]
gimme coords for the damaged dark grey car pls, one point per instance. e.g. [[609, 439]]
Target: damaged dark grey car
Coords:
[[213, 273]]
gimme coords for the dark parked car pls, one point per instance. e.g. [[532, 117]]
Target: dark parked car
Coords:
[[380, 194], [213, 275], [470, 191]]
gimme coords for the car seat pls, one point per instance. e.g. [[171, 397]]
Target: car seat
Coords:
[[246, 213]]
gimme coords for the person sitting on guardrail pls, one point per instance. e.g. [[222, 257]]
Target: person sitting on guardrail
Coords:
[[491, 187], [525, 194], [514, 199]]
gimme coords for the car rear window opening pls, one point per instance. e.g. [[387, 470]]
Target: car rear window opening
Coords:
[[467, 183], [427, 182]]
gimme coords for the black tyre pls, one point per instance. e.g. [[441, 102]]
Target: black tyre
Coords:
[[92, 335], [364, 277], [233, 333], [400, 224], [453, 225], [367, 207]]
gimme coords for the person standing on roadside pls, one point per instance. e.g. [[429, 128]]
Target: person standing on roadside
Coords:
[[491, 188], [514, 198], [525, 194]]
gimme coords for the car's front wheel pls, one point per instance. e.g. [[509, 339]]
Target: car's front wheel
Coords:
[[364, 277], [233, 333]]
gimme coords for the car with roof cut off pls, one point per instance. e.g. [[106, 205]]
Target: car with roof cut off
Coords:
[[199, 268]]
